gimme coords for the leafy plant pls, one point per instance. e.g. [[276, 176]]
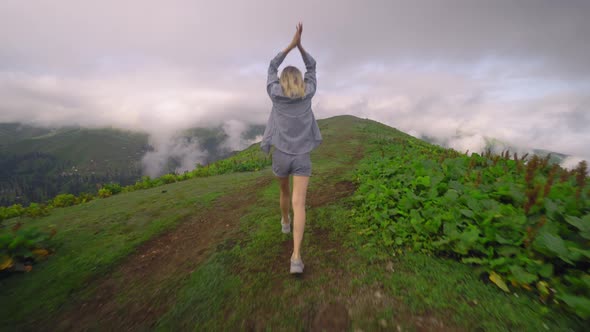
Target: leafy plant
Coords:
[[508, 216], [64, 200], [114, 188], [104, 193], [37, 210], [20, 247]]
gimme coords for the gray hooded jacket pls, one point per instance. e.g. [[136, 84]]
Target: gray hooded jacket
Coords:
[[291, 126]]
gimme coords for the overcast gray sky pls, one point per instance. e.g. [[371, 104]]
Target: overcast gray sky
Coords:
[[514, 70]]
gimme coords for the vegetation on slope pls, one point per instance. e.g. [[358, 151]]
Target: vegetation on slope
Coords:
[[18, 246], [244, 282], [525, 223]]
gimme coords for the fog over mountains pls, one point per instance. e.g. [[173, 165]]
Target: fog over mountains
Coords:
[[516, 71], [38, 163]]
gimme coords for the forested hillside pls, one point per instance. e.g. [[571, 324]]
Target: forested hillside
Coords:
[[36, 164]]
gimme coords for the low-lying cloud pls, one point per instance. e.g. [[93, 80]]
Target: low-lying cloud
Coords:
[[181, 150], [187, 152], [459, 71], [235, 141]]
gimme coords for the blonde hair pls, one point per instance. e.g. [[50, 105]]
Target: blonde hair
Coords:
[[292, 82]]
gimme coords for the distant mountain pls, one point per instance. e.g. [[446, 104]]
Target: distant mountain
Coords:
[[88, 151], [38, 163], [213, 140], [13, 132], [497, 146]]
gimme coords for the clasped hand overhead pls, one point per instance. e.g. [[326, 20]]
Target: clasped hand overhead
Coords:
[[296, 39]]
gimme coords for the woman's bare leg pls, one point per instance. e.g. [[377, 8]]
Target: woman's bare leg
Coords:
[[285, 198], [299, 195]]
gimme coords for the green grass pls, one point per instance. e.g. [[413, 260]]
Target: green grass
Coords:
[[211, 286], [248, 277], [94, 236], [478, 209], [245, 282], [420, 286], [453, 292]]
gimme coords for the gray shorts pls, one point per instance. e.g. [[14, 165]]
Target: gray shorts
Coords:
[[284, 164]]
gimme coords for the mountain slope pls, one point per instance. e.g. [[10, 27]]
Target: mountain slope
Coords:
[[90, 150], [38, 163], [13, 132], [207, 254], [38, 166]]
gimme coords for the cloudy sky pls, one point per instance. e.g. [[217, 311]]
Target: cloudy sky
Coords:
[[517, 71]]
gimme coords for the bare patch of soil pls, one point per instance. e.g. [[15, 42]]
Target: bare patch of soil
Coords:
[[368, 300], [329, 194], [331, 317]]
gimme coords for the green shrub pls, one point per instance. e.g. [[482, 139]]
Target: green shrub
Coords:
[[3, 213], [104, 193], [517, 222], [63, 200], [114, 188], [168, 178], [37, 210], [15, 210], [19, 245], [84, 197]]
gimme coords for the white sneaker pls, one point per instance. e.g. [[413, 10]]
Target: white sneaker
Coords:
[[286, 227], [296, 266]]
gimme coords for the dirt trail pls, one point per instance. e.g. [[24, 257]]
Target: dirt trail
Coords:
[[165, 259], [338, 305], [119, 301], [332, 315], [171, 257]]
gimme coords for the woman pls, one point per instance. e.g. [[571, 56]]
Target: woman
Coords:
[[294, 133]]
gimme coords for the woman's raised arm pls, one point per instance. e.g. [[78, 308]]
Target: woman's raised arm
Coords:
[[309, 78], [273, 68]]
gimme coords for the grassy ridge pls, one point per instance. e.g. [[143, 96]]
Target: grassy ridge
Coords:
[[91, 237], [236, 287], [231, 288]]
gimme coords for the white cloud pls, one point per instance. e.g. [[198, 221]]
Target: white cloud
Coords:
[[185, 152], [516, 71], [571, 162], [234, 130]]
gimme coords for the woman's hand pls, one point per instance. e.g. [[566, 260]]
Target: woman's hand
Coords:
[[296, 38], [299, 46]]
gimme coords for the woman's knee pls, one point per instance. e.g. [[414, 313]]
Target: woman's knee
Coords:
[[298, 201], [299, 191]]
